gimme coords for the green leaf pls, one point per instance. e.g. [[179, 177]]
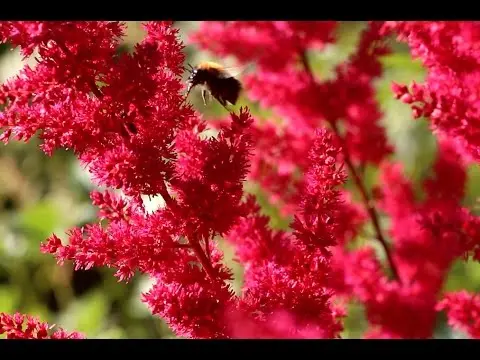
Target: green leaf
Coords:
[[40, 220], [112, 333], [472, 191], [355, 323], [463, 275], [87, 315], [9, 297], [402, 61]]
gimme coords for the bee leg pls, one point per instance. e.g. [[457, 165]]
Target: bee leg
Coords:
[[207, 247], [204, 96], [223, 103]]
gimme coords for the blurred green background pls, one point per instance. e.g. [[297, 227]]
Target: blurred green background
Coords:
[[41, 195]]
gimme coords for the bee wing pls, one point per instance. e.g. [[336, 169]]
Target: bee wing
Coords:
[[235, 71]]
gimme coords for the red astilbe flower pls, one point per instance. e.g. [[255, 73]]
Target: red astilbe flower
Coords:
[[19, 326], [289, 273], [449, 97], [292, 94], [463, 312], [173, 244], [285, 40], [137, 134], [123, 133]]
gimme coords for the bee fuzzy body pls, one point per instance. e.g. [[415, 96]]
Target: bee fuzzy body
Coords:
[[221, 84]]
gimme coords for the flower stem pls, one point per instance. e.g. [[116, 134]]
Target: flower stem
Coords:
[[372, 212]]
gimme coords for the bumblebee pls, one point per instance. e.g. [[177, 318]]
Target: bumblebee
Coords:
[[217, 80]]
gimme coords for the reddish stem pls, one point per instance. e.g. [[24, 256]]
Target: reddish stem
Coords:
[[166, 196], [193, 244], [197, 249]]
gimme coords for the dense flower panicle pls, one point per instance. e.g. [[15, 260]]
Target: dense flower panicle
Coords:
[[123, 133], [365, 136], [209, 177], [147, 96], [396, 196], [64, 45], [35, 102], [285, 40], [459, 52], [19, 326], [304, 103], [53, 94], [320, 196], [430, 234], [449, 96], [442, 212], [290, 273], [365, 60], [172, 244], [463, 312], [455, 229], [146, 244], [457, 232], [299, 287], [192, 304]]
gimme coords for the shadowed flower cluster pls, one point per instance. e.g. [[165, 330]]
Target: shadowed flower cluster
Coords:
[[20, 326], [449, 96]]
